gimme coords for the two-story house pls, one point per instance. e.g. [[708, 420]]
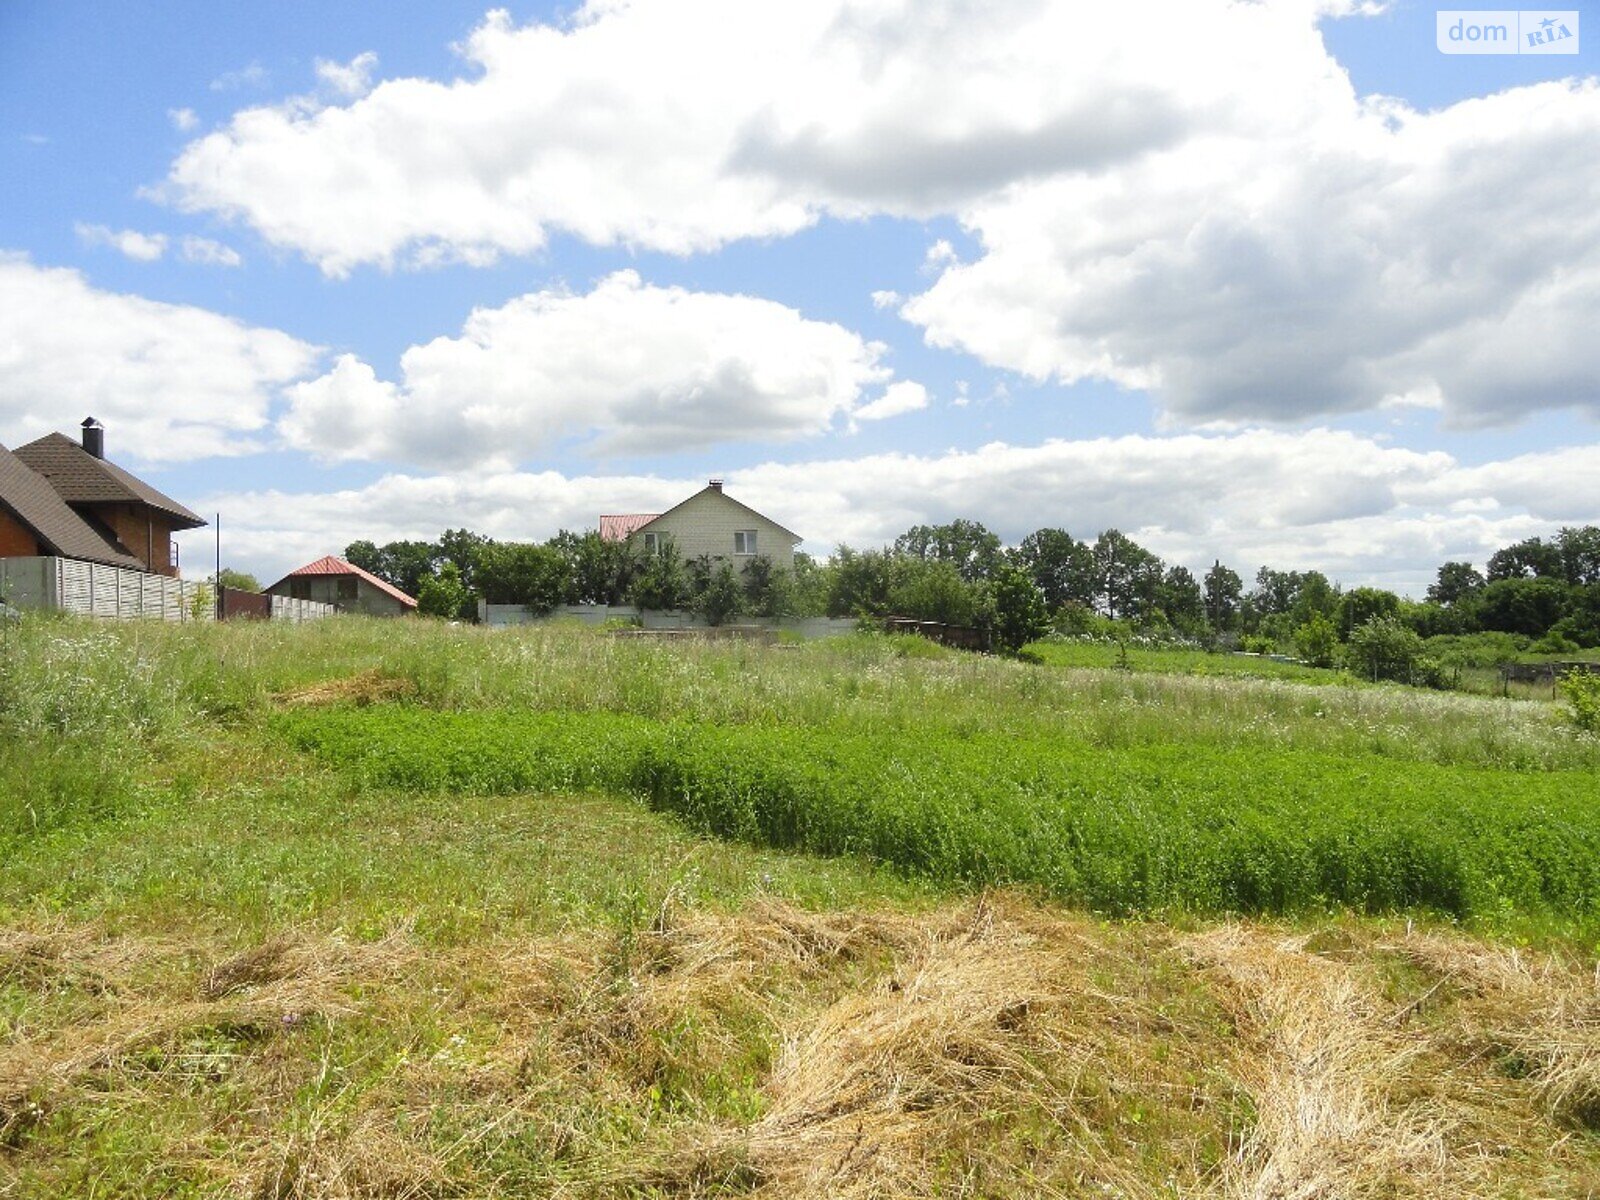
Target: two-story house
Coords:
[[65, 498], [710, 523]]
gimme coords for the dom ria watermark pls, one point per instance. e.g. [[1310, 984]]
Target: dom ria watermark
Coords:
[[1481, 31]]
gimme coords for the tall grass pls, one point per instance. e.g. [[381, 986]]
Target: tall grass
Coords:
[[1126, 790]]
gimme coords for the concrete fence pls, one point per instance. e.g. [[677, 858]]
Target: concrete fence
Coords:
[[496, 615], [49, 584], [94, 590]]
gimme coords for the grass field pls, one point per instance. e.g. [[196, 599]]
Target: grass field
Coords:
[[356, 909]]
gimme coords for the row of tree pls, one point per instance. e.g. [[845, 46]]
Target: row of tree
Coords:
[[963, 574]]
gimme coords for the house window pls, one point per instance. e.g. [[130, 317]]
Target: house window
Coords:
[[300, 589], [652, 542], [744, 541], [347, 588]]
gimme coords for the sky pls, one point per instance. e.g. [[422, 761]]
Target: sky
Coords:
[[1270, 282]]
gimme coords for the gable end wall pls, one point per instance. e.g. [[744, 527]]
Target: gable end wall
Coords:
[[705, 524]]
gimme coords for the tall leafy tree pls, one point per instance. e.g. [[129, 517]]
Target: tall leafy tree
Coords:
[[522, 573], [1182, 600], [462, 547], [861, 583], [1062, 567], [1580, 554], [1127, 576], [1456, 581], [974, 551], [1224, 592], [599, 571], [1020, 615], [1363, 604], [1532, 558]]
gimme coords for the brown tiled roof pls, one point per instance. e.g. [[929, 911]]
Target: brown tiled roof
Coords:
[[28, 497], [80, 478], [619, 527], [333, 565]]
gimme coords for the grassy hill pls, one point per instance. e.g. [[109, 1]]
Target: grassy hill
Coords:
[[357, 909]]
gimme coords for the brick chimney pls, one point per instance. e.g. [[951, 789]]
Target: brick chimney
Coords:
[[716, 485], [94, 437]]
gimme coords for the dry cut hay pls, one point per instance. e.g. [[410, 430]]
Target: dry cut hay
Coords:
[[1320, 1061], [984, 1012], [247, 1000], [1537, 1014], [367, 687]]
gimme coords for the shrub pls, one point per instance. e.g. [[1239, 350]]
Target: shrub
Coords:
[[1383, 648], [1317, 640], [1582, 692], [443, 595]]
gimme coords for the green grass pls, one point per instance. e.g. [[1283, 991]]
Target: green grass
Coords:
[[1137, 828], [557, 916], [1173, 660]]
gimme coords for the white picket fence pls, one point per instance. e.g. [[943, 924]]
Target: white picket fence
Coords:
[[90, 589]]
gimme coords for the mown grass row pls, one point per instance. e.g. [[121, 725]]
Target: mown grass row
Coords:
[[1139, 828]]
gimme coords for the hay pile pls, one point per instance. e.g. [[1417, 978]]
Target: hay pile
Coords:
[[988, 1048]]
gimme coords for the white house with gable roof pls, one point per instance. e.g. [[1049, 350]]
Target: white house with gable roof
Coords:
[[711, 523]]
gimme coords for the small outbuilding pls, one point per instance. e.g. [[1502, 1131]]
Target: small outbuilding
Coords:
[[347, 587]]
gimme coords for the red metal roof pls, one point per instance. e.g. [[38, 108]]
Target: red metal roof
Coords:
[[333, 565], [620, 528]]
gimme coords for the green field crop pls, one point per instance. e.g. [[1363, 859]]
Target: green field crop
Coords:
[[1135, 828]]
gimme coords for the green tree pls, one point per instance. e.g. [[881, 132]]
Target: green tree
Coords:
[[598, 571], [443, 595], [1522, 605], [860, 584], [721, 598], [973, 550], [1127, 576], [662, 582], [1317, 641], [406, 564], [1580, 554], [1582, 692], [1020, 613], [536, 577], [364, 554], [240, 581], [1062, 566], [1181, 599], [1457, 581], [1364, 604], [1532, 558], [932, 590], [1275, 591], [1224, 591], [462, 547], [1383, 648], [1314, 596]]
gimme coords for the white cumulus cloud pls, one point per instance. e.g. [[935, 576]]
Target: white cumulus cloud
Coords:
[[208, 253], [1183, 196], [141, 247], [1324, 499], [170, 381], [353, 78], [626, 368]]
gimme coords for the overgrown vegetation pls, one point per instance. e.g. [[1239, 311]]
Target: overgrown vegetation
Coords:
[[359, 908]]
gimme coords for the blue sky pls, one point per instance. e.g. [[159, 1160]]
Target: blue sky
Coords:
[[1178, 268]]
